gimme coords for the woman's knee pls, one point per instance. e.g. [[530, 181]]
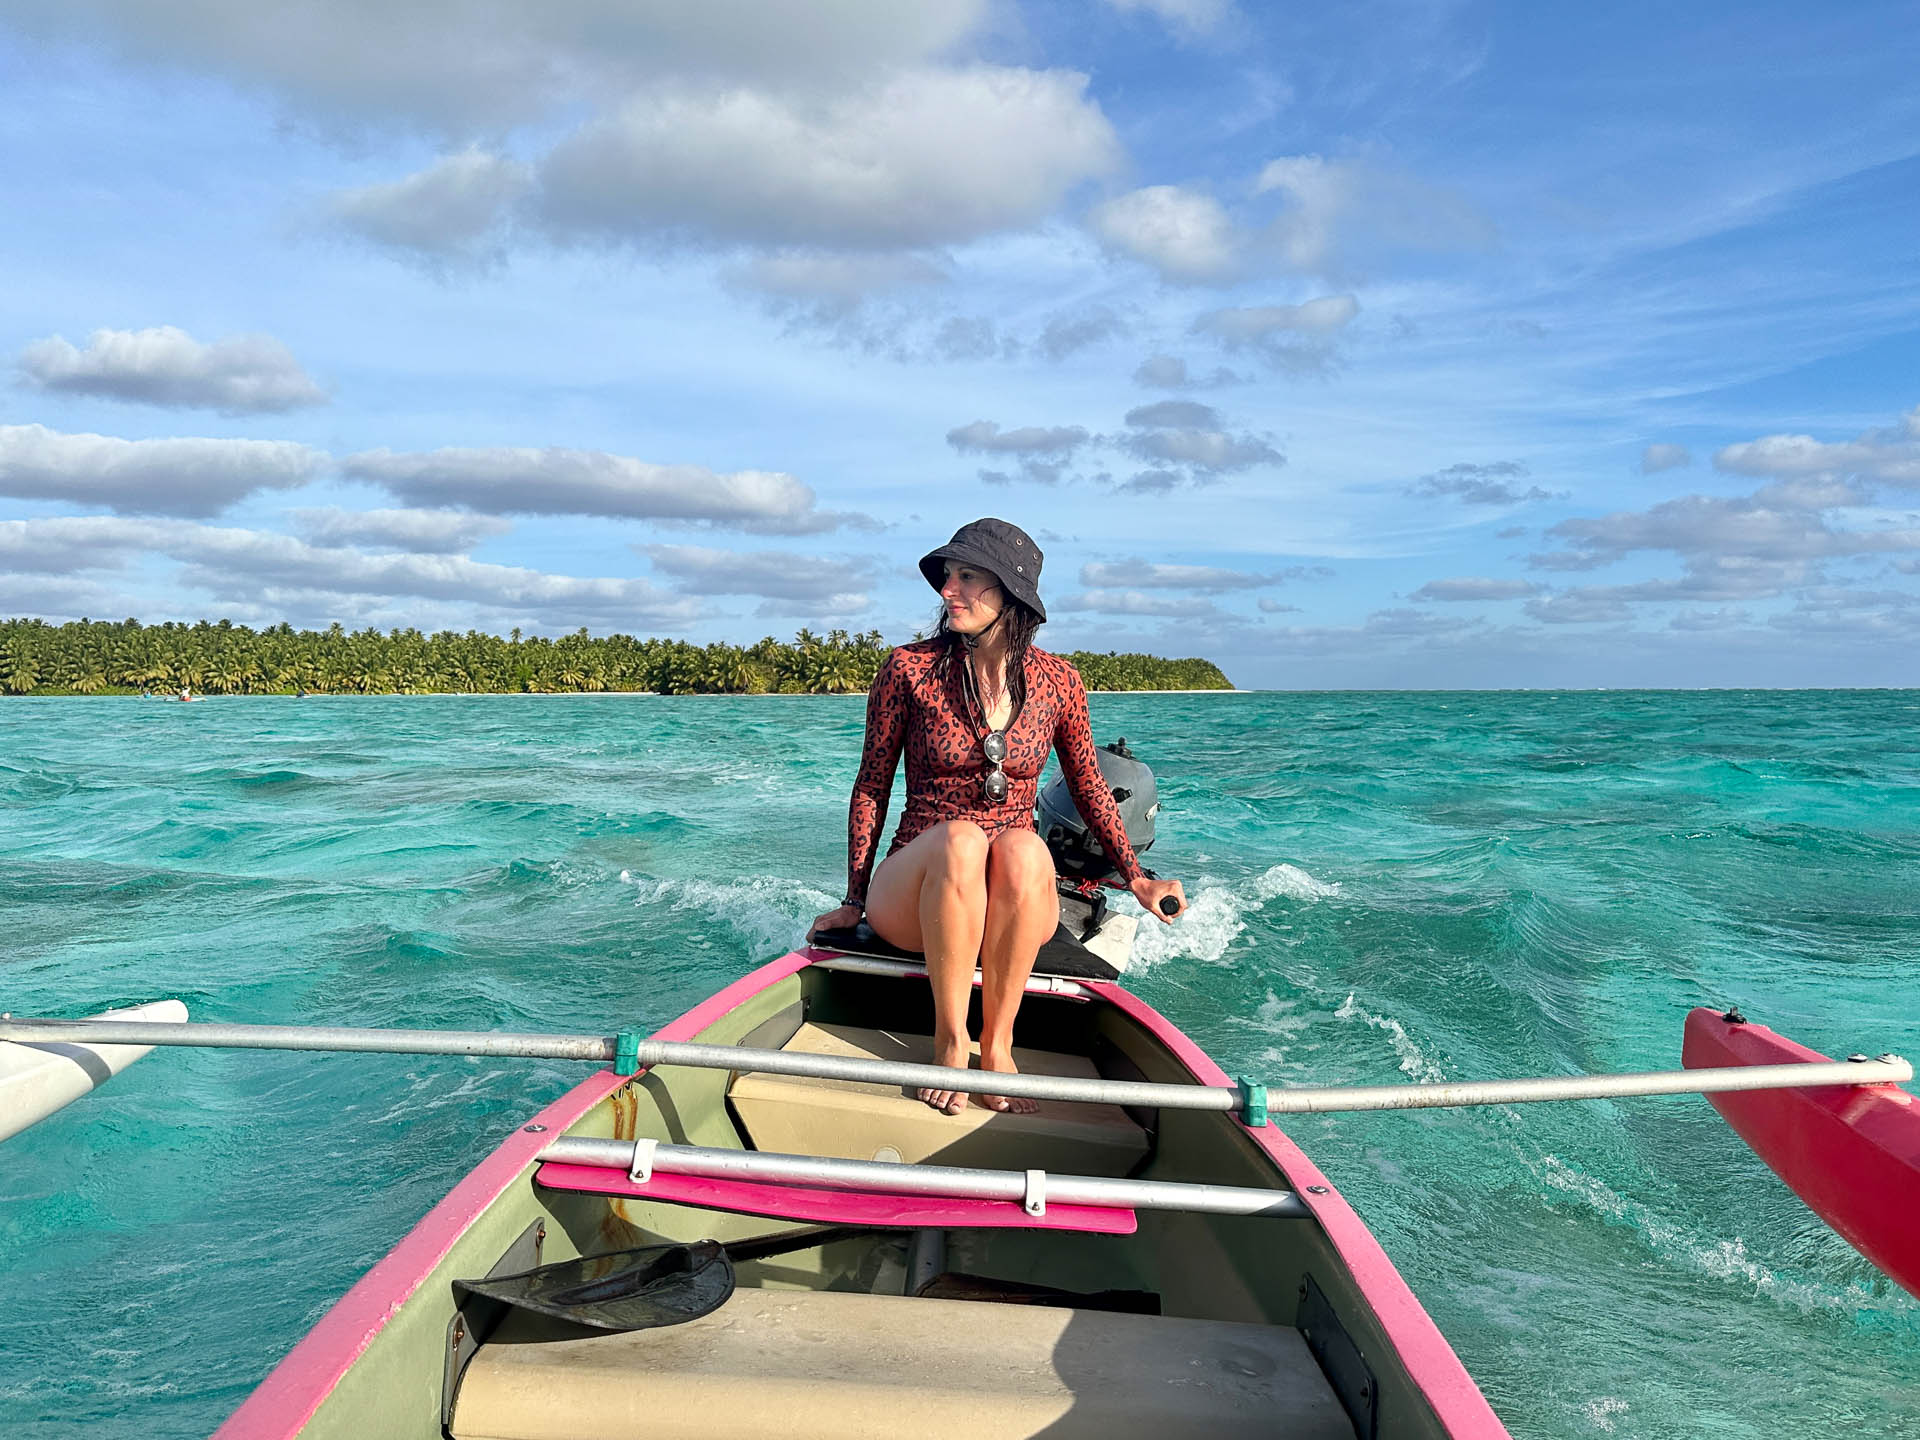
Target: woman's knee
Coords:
[[1019, 862], [963, 846]]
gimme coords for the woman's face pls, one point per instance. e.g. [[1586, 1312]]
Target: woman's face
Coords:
[[973, 598]]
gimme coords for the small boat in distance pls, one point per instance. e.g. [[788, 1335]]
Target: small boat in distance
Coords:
[[1110, 1267], [1852, 1153]]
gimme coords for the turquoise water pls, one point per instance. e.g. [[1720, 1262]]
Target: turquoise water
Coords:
[[1386, 887]]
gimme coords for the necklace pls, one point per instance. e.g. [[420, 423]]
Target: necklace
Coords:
[[984, 700]]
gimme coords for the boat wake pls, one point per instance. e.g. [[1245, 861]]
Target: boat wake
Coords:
[[1217, 916]]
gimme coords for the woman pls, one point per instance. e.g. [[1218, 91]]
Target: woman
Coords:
[[968, 881]]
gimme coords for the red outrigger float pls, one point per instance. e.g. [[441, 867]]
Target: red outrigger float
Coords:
[[1852, 1153]]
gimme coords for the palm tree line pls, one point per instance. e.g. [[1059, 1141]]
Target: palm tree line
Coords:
[[100, 657]]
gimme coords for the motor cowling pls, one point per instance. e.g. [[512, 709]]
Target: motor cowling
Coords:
[[1076, 850]]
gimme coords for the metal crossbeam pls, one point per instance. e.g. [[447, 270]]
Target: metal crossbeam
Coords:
[[947, 1181]]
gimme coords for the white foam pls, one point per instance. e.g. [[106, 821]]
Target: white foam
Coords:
[[1722, 1259], [1600, 1411], [1216, 916], [1413, 1060], [771, 915]]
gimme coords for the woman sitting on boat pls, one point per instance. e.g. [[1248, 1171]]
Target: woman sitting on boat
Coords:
[[968, 880]]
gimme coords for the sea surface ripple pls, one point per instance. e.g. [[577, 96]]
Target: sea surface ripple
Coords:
[[1385, 887]]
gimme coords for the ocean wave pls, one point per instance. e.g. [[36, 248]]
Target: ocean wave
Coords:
[[1415, 1063], [1676, 1243], [770, 914]]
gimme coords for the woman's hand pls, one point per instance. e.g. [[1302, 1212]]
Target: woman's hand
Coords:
[[1151, 892], [842, 917]]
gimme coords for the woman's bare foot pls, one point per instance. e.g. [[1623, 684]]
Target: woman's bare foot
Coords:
[[951, 1053], [1002, 1061]]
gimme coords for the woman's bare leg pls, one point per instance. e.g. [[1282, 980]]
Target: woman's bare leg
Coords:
[[931, 896], [1023, 908]]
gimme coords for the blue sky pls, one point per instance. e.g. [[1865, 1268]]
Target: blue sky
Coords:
[[1377, 345]]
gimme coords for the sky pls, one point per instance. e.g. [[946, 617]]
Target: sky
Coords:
[[1394, 344]]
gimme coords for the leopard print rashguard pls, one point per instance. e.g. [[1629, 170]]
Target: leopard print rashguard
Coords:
[[910, 708]]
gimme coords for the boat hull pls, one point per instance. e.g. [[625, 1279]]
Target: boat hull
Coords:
[[378, 1354], [1852, 1153]]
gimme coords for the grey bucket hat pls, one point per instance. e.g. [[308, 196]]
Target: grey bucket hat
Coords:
[[998, 546]]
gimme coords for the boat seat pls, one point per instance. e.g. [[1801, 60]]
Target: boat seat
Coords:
[[856, 1120], [823, 1365]]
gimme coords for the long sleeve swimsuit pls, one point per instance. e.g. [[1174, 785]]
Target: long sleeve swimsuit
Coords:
[[912, 708]]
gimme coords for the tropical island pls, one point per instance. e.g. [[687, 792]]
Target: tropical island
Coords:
[[124, 657]]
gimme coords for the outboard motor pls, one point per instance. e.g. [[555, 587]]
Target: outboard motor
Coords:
[[1077, 854], [1075, 849]]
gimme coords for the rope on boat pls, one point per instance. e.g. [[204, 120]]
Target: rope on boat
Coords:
[[1245, 1097]]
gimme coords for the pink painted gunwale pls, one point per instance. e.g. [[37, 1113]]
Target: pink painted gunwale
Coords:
[[1429, 1359], [286, 1400], [836, 1207]]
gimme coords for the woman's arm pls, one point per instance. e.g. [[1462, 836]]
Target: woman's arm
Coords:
[[873, 786]]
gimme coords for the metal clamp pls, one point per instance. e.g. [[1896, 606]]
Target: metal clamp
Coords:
[[1035, 1200], [1253, 1102], [626, 1052], [641, 1171]]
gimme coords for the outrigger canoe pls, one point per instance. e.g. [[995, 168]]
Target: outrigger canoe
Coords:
[[1852, 1153], [1116, 1264]]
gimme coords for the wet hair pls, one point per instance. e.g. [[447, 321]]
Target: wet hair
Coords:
[[1020, 621]]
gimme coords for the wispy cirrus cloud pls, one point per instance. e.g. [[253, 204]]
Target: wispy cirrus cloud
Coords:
[[164, 365]]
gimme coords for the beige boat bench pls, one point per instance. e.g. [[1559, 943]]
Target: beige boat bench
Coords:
[[828, 1365], [856, 1120]]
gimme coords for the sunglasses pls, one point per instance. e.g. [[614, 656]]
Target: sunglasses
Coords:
[[993, 784]]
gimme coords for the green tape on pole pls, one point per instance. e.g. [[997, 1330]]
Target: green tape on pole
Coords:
[[626, 1053], [1253, 1102]]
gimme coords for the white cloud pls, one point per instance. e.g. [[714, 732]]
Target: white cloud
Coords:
[[985, 437], [1656, 458], [1345, 213], [241, 375], [272, 572], [837, 282], [467, 68], [1190, 17], [1185, 235], [517, 481], [1475, 588], [1169, 372], [790, 584], [921, 158], [1144, 575], [1133, 602], [1208, 451], [1072, 331], [1891, 455], [1175, 412], [439, 532], [1480, 484], [187, 477], [442, 214], [1257, 324]]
